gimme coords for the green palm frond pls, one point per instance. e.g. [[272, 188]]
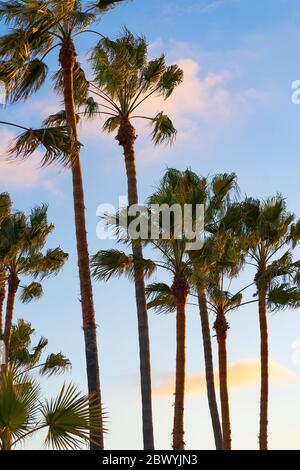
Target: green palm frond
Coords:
[[55, 364], [33, 291], [18, 405], [114, 263], [57, 120], [105, 5], [69, 419], [33, 76], [111, 124], [164, 131], [90, 107], [169, 80], [81, 84], [160, 298], [47, 265], [283, 296], [56, 141], [111, 263], [80, 20]]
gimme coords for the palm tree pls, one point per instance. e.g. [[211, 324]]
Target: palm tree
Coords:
[[39, 28], [23, 410], [188, 188], [5, 207], [68, 419], [226, 261], [124, 80], [25, 358], [21, 243], [267, 229]]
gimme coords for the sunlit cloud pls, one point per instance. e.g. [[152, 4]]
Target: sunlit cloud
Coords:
[[240, 374]]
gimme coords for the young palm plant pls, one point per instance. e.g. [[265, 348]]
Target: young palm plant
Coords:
[[39, 28], [22, 240], [268, 229], [124, 80], [68, 419]]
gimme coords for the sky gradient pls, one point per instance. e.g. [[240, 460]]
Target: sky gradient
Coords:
[[233, 113]]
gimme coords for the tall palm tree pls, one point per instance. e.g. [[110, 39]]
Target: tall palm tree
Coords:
[[124, 80], [39, 28], [185, 187], [21, 243], [165, 299], [268, 229], [5, 207], [226, 259]]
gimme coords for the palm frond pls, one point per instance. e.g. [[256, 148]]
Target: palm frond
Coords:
[[160, 298], [56, 141], [33, 291], [164, 131], [55, 364], [70, 418]]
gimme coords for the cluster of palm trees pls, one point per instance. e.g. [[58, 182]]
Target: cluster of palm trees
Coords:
[[236, 233], [262, 234]]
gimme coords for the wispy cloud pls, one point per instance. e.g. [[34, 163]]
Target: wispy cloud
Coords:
[[22, 175], [240, 374], [204, 6]]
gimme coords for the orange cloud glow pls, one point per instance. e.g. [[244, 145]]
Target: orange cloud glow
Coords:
[[240, 374]]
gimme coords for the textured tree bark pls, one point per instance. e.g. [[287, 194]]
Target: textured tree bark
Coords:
[[180, 290], [67, 60], [126, 138], [264, 358], [221, 327], [13, 284], [2, 298], [209, 369]]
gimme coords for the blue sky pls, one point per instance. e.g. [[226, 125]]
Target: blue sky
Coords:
[[233, 113]]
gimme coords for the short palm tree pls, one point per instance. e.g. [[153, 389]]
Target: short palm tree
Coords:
[[269, 228], [24, 357], [39, 28], [124, 80], [68, 419], [21, 243]]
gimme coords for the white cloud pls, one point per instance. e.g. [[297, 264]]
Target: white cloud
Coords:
[[22, 175]]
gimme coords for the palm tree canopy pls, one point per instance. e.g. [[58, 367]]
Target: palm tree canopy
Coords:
[[23, 412], [124, 79], [22, 240], [23, 356]]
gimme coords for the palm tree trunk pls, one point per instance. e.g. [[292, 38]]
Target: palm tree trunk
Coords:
[[67, 60], [2, 298], [209, 369], [264, 358], [221, 327], [178, 429], [180, 290], [13, 284], [126, 137]]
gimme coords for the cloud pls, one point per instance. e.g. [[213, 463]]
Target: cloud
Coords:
[[22, 175], [240, 374]]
